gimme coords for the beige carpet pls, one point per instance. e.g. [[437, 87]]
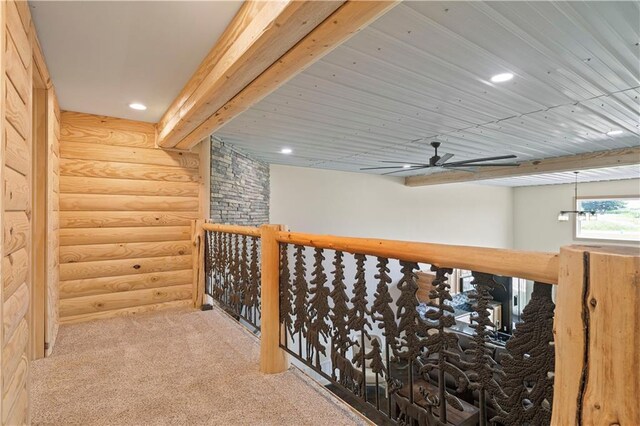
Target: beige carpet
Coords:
[[178, 368]]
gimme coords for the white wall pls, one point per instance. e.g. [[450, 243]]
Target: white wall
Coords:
[[536, 209], [362, 205]]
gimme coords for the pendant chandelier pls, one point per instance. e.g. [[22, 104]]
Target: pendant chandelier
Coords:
[[580, 214]]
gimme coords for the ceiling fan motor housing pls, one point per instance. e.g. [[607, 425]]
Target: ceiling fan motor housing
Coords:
[[433, 160]]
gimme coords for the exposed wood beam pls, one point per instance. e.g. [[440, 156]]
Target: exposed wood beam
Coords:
[[260, 33], [350, 18], [590, 160]]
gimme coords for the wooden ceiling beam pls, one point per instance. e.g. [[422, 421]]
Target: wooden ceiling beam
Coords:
[[346, 21], [260, 33], [590, 160]]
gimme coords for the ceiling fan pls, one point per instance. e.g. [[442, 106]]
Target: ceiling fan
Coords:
[[437, 161]]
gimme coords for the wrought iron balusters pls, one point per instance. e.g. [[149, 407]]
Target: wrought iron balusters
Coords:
[[232, 272], [482, 365], [528, 367], [442, 348], [362, 331], [318, 330]]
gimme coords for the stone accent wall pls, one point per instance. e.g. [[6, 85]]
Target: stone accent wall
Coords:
[[239, 187]]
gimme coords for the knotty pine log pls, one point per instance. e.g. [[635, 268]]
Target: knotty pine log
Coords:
[[127, 299], [122, 283]]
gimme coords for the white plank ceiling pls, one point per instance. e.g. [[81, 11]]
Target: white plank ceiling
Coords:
[[422, 73]]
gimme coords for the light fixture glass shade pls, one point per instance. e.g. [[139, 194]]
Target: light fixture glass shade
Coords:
[[563, 217], [582, 216]]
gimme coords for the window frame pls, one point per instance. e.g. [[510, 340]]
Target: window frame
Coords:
[[600, 197]]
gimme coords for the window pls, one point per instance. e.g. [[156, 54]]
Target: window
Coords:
[[617, 219]]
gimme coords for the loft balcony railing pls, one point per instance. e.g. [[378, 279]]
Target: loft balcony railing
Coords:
[[328, 302]]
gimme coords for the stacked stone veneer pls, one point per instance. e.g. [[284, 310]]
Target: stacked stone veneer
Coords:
[[239, 187]]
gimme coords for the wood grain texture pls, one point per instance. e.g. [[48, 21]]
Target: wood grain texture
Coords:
[[110, 169], [112, 268], [250, 231], [122, 154], [106, 285], [16, 207], [272, 358], [17, 154], [17, 73], [179, 304], [14, 310], [87, 253], [18, 33], [53, 221], [535, 266], [77, 236], [14, 272], [13, 349], [128, 299], [87, 128], [104, 186], [54, 217], [18, 413], [197, 256], [16, 191], [596, 335], [264, 32], [246, 13], [614, 338], [91, 202], [16, 112], [22, 7], [111, 219], [13, 384], [125, 213], [346, 21], [16, 231]]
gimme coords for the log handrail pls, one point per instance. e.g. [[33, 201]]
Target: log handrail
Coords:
[[250, 231], [536, 266]]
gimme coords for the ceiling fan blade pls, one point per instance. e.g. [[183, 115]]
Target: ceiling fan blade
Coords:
[[377, 168], [407, 170], [405, 162], [477, 160], [483, 165], [443, 159]]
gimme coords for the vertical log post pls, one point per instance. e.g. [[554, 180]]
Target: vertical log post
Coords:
[[597, 337], [272, 358], [197, 254]]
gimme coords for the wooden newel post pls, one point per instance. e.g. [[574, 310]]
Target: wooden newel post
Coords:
[[197, 254], [272, 358], [597, 337]]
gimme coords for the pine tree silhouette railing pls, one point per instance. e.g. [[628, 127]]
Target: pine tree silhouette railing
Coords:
[[378, 347], [335, 304], [232, 270]]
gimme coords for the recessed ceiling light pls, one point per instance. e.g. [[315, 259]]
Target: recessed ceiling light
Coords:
[[139, 107], [615, 132], [501, 78], [286, 151], [406, 166]]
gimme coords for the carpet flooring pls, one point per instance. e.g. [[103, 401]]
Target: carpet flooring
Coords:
[[172, 368]]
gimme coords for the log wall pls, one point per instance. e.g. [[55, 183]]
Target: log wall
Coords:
[[16, 209], [125, 219]]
